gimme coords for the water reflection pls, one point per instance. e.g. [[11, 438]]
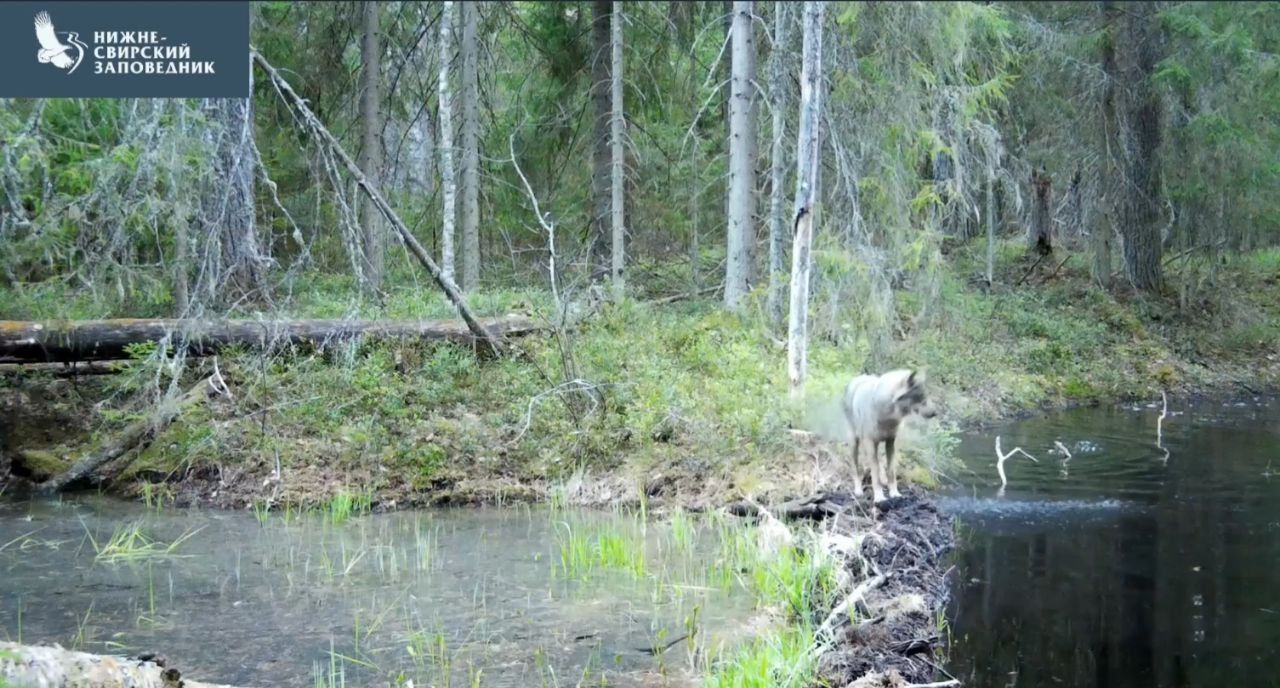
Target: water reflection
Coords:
[[1129, 570]]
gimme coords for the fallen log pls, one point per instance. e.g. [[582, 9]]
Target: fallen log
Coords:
[[136, 435], [101, 340], [37, 665], [69, 369]]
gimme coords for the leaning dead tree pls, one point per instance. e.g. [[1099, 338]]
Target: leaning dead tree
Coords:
[[106, 340], [415, 247], [35, 665]]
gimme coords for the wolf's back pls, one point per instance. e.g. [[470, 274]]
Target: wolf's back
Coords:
[[859, 403]]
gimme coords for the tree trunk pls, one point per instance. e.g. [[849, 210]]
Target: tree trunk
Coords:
[[776, 162], [601, 167], [371, 148], [1103, 228], [33, 665], [106, 340], [415, 247], [742, 173], [1039, 236], [807, 153], [448, 186], [181, 267], [470, 150], [1136, 53], [616, 178], [991, 223]]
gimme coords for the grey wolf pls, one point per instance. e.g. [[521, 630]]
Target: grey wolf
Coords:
[[874, 407]]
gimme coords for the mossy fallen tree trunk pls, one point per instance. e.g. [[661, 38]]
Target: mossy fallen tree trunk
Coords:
[[102, 340], [33, 665], [136, 435]]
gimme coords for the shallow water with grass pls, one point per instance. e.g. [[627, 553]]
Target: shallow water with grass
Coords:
[[494, 597], [1149, 558]]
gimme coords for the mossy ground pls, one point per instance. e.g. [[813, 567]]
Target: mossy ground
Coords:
[[682, 401]]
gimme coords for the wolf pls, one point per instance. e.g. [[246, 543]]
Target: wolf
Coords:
[[874, 407]]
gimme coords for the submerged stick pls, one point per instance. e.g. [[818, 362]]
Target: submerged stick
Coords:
[[1002, 457], [1164, 413]]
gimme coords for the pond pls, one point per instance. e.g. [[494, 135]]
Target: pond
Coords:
[[502, 597], [1130, 564]]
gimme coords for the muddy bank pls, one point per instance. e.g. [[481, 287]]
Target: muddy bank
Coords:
[[883, 628], [886, 631]]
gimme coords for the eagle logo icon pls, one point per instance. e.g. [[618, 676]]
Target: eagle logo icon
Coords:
[[53, 50]]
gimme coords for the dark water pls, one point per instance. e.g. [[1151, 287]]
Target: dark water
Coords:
[[445, 597], [1125, 566]]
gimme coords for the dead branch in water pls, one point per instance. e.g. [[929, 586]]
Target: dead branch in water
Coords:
[[1002, 457], [138, 434], [35, 665], [1164, 413], [1066, 452]]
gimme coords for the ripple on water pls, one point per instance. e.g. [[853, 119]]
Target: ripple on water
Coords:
[[1133, 564]]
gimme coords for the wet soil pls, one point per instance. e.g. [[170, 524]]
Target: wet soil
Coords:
[[895, 636]]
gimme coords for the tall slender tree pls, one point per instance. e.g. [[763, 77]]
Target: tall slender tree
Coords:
[[616, 154], [371, 147], [470, 150], [1137, 53], [448, 187], [807, 152], [742, 173], [601, 168], [777, 162]]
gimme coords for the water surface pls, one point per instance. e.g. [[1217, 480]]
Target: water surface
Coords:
[[443, 597], [1130, 565]]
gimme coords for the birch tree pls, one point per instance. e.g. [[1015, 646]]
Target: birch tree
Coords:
[[807, 153], [448, 187], [371, 147], [616, 153], [742, 175], [470, 151], [776, 163]]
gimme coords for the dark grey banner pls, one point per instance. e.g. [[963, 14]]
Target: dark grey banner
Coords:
[[107, 49]]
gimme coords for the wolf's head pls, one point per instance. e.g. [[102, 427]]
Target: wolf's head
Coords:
[[910, 396]]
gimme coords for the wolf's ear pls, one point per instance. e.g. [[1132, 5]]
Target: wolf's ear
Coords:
[[911, 379]]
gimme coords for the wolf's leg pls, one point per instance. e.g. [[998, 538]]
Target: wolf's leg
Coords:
[[857, 466], [892, 459], [877, 474]]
